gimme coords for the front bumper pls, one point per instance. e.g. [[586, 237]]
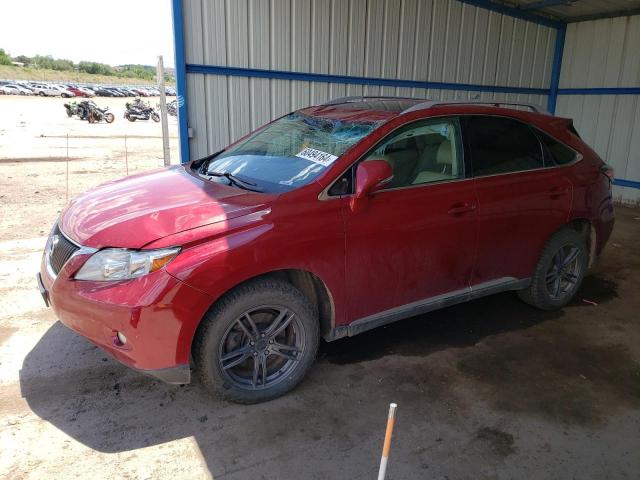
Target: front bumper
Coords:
[[158, 314]]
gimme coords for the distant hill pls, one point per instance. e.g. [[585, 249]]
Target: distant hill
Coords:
[[45, 67], [10, 72]]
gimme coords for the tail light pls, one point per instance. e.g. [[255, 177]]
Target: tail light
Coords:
[[608, 171]]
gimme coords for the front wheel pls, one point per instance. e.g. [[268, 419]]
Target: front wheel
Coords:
[[258, 342], [109, 117], [155, 117], [559, 272]]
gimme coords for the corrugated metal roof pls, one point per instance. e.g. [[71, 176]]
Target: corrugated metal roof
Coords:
[[578, 10]]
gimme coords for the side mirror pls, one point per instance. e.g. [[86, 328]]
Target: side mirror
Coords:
[[370, 175]]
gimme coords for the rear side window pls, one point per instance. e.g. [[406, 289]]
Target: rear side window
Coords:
[[501, 145], [556, 153]]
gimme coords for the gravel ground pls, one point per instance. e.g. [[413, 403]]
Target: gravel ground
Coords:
[[492, 389]]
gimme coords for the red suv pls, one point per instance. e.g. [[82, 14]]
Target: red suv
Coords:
[[327, 222]]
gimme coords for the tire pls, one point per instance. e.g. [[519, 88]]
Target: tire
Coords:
[[558, 275], [109, 118], [155, 117], [281, 360], [130, 118], [41, 94]]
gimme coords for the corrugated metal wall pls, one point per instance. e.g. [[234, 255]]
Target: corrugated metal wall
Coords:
[[606, 53], [434, 40]]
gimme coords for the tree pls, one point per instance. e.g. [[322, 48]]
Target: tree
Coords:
[[4, 58], [22, 59]]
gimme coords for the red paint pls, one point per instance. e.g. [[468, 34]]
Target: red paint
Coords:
[[77, 92], [397, 247]]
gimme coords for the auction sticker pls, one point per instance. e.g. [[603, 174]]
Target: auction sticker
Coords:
[[317, 156]]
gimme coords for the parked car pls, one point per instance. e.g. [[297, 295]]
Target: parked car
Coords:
[[22, 89], [65, 91], [46, 90], [327, 222], [125, 92], [9, 90], [115, 91], [80, 92], [141, 92], [104, 92]]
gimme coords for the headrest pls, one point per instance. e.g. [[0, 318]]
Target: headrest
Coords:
[[443, 155]]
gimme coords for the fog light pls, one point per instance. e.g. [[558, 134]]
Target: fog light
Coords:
[[121, 338]]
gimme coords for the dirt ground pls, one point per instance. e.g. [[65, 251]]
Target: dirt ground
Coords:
[[492, 389]]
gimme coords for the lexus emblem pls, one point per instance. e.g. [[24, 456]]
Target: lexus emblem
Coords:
[[52, 244]]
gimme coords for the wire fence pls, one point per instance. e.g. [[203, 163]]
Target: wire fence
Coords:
[[34, 189]]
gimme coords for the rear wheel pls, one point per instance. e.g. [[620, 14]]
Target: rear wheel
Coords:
[[257, 342], [41, 94], [559, 272]]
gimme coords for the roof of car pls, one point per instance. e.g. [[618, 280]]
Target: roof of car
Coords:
[[376, 109]]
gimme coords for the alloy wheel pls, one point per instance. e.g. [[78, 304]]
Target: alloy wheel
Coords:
[[564, 272], [261, 347]]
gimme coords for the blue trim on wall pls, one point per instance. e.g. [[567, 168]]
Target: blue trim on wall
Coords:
[[181, 78], [555, 69], [514, 12], [621, 182], [352, 80], [600, 91]]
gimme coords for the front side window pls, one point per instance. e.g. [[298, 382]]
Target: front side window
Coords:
[[423, 152], [501, 145], [288, 153]]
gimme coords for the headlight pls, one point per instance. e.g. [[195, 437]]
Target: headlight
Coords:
[[122, 264]]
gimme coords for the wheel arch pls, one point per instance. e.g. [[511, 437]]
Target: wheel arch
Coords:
[[585, 227], [308, 283]]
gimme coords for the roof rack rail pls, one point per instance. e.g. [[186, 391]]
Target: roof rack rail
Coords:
[[360, 98], [436, 103]]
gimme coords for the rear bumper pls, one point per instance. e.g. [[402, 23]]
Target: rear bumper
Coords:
[[157, 315]]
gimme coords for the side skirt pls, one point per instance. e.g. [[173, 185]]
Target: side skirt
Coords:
[[427, 305]]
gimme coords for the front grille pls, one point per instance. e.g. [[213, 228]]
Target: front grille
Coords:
[[60, 250]]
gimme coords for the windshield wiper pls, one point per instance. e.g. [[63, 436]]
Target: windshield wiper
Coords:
[[236, 181]]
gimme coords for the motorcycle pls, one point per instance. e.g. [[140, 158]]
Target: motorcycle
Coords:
[[138, 110], [97, 114], [81, 110], [71, 108], [172, 108]]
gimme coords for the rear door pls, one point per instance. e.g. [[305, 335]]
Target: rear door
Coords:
[[522, 201], [415, 239]]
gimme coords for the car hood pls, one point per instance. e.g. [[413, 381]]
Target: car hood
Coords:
[[136, 210]]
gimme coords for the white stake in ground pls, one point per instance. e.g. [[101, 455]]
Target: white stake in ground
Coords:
[[387, 441]]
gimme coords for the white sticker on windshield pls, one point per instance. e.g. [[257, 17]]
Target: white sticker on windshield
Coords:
[[317, 156]]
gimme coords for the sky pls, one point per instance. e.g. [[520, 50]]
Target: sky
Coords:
[[115, 32]]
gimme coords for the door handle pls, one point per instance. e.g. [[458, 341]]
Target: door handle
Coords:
[[460, 208], [559, 192]]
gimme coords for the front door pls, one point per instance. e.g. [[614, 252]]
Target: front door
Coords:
[[415, 239]]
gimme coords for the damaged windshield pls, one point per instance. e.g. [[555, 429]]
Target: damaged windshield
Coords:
[[286, 154]]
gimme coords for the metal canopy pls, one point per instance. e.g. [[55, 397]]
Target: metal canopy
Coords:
[[570, 11]]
